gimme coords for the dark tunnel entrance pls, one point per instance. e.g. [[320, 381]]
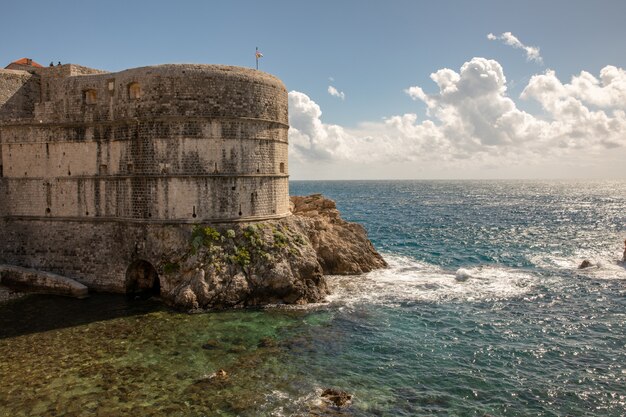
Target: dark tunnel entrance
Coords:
[[142, 278]]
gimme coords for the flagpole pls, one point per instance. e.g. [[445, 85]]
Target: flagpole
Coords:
[[256, 55]]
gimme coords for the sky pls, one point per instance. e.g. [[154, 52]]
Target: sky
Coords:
[[390, 89]]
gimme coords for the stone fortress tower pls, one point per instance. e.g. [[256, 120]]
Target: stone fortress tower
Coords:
[[96, 167]]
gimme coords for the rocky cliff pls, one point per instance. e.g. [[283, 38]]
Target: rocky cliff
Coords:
[[342, 247], [281, 261]]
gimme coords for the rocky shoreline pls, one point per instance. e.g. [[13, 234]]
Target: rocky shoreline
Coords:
[[216, 266], [273, 262], [8, 294]]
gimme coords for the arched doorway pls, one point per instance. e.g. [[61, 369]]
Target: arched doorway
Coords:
[[142, 277]]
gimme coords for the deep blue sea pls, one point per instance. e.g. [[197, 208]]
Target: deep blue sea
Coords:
[[482, 312]]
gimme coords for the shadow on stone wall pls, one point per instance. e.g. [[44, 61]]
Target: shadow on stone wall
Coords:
[[39, 313], [18, 95]]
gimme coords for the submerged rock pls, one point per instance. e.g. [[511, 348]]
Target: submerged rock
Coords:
[[336, 397], [267, 342], [585, 264], [211, 344], [272, 262]]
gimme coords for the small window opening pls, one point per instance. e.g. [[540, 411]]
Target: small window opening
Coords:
[[130, 167], [134, 91], [103, 169], [282, 168], [194, 215], [90, 96]]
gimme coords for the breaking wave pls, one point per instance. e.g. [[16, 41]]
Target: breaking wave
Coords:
[[408, 280], [604, 265]]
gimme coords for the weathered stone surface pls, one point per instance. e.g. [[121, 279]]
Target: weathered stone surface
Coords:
[[40, 281], [98, 169], [8, 294], [174, 143], [242, 264], [278, 261], [170, 179], [342, 247]]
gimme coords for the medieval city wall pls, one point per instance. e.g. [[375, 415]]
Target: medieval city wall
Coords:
[[19, 91], [96, 166], [173, 143]]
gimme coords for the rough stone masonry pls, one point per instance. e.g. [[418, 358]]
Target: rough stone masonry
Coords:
[[104, 177]]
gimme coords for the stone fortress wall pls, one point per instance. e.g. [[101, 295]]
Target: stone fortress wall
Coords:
[[95, 166]]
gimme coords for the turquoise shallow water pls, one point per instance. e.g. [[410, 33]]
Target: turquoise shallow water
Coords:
[[482, 311]]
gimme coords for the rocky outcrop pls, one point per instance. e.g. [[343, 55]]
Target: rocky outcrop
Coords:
[[278, 261], [337, 397], [245, 264], [40, 281], [342, 247]]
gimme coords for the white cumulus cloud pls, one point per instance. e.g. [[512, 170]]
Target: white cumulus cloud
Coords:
[[336, 93], [532, 52], [609, 90], [472, 122]]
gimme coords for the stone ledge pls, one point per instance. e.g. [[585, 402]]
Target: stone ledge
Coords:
[[41, 282], [32, 122], [99, 219]]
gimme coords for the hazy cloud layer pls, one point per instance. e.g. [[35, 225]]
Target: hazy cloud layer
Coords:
[[532, 52], [336, 93], [471, 121]]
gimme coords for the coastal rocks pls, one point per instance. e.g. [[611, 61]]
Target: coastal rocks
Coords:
[[267, 342], [211, 344], [243, 265], [336, 397], [342, 247], [274, 262], [7, 294], [216, 380], [585, 264], [220, 374], [41, 281]]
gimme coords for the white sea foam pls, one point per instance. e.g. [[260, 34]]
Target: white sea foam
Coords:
[[280, 404], [407, 280], [605, 265], [462, 274]]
